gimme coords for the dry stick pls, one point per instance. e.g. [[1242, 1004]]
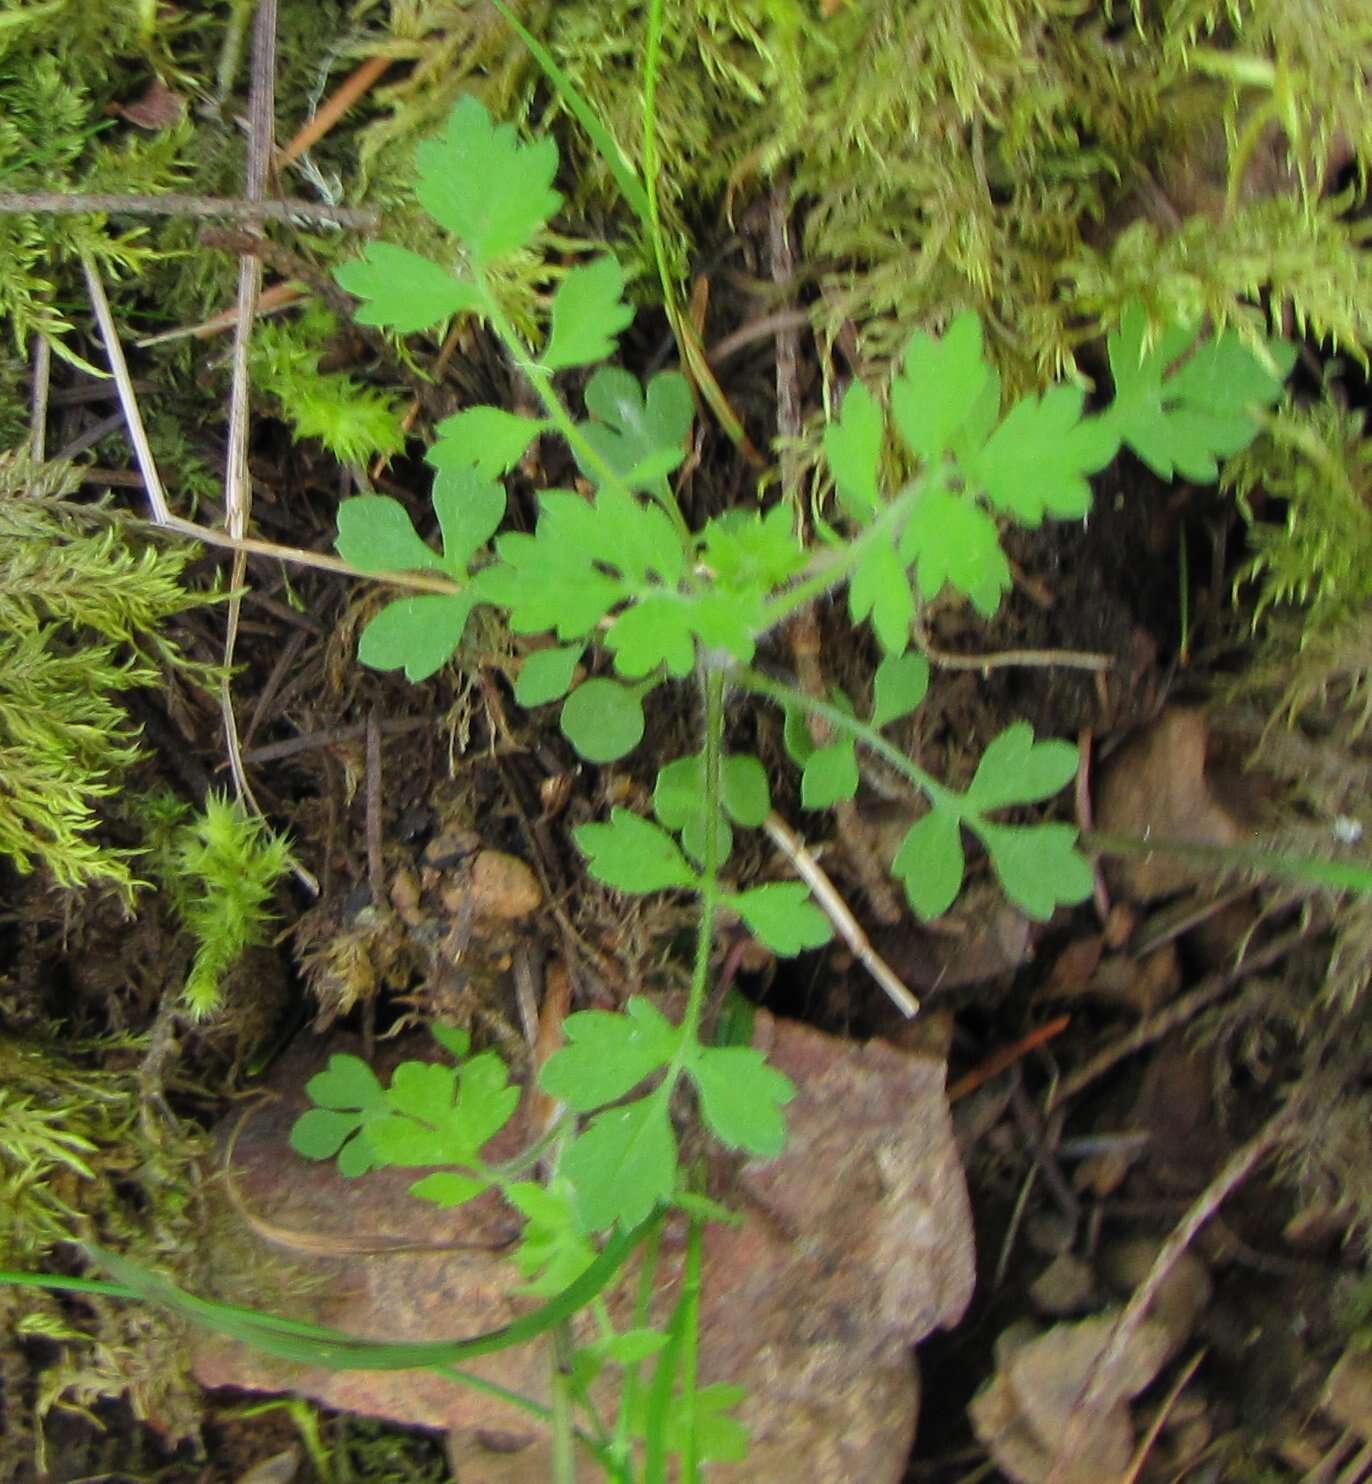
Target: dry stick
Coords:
[[1177, 1013], [1101, 1384], [1155, 1427], [347, 93], [836, 909], [271, 752], [128, 400], [42, 384], [1067, 659], [66, 203], [237, 481], [252, 546]]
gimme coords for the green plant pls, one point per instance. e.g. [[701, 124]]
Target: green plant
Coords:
[[218, 867], [82, 605], [620, 570], [617, 578]]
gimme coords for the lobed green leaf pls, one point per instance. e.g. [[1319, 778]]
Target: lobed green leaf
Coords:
[[588, 313], [477, 180], [930, 862], [631, 854], [403, 291], [741, 1097], [608, 1055]]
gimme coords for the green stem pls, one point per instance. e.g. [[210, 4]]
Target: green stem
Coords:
[[651, 53], [709, 876], [556, 409], [559, 1363], [861, 731]]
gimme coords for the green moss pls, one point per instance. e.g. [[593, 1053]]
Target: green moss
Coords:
[[82, 604]]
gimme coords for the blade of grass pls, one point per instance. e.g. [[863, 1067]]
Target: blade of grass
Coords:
[[312, 1345], [1309, 870], [626, 177]]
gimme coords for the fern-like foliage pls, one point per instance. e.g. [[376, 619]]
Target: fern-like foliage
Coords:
[[218, 867], [81, 608], [354, 422], [1318, 462]]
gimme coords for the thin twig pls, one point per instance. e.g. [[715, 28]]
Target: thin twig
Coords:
[[340, 101], [128, 399], [1177, 1013], [42, 385], [237, 481], [300, 557], [1067, 659], [66, 203], [271, 752], [836, 909], [1155, 1427], [1102, 1382]]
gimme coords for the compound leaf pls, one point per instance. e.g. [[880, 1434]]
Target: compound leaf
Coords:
[[490, 439], [477, 180], [588, 313], [402, 290], [1039, 866], [623, 1165], [1015, 769], [633, 855], [930, 862], [602, 720], [608, 1055], [639, 437], [782, 916], [741, 1097], [1180, 424]]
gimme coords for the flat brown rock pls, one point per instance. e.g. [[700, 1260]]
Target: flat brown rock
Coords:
[[855, 1244]]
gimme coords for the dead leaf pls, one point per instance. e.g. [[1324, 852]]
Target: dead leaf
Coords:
[[158, 108], [1157, 786], [1022, 1416]]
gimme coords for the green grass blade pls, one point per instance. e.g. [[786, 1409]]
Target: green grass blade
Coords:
[[312, 1345], [1308, 870], [626, 178]]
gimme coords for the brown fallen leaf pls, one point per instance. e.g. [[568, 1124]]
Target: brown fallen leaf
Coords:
[[1157, 786], [1022, 1415]]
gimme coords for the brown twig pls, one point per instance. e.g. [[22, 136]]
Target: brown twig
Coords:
[[339, 102], [1007, 1056], [836, 910], [65, 203], [1067, 659], [1101, 1383], [1155, 1027]]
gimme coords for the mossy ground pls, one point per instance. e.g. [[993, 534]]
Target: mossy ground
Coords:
[[1040, 162]]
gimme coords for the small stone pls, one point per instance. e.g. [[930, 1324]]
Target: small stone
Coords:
[[1066, 1286]]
